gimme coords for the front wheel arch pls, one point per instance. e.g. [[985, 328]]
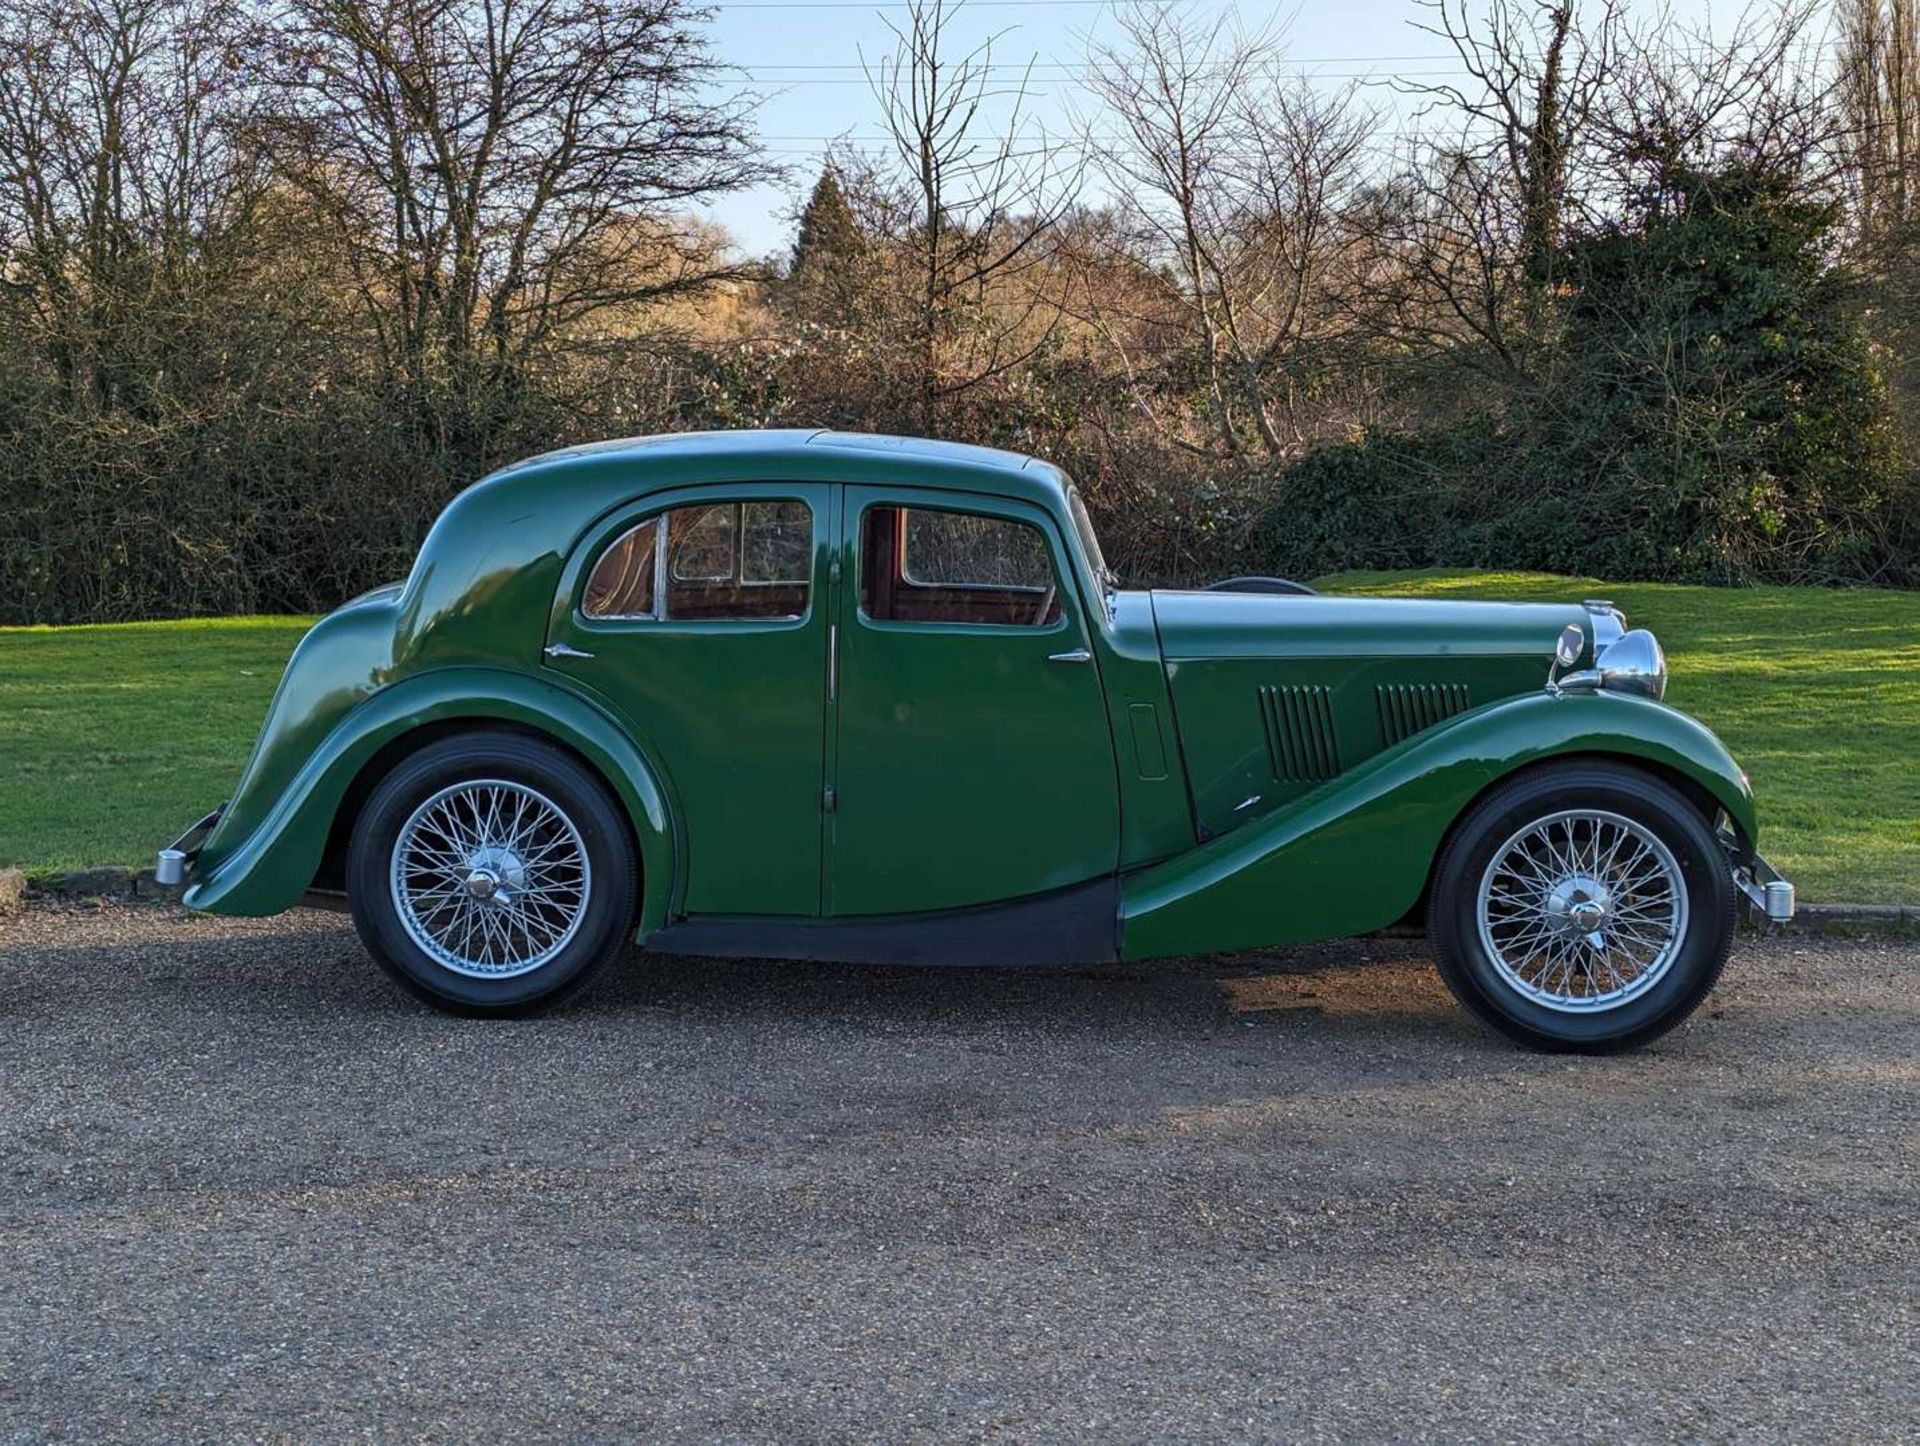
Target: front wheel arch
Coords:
[[1691, 789], [1700, 878]]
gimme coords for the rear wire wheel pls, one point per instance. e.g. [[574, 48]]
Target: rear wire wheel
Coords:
[[492, 874], [1582, 907]]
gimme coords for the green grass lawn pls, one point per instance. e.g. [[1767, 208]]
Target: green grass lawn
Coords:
[[112, 738]]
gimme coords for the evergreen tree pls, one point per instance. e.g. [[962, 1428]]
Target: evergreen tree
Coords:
[[826, 277], [829, 233], [1716, 387]]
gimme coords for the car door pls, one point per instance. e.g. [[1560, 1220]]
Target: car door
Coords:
[[972, 758], [697, 618]]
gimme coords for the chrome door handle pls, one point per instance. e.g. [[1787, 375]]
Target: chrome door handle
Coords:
[[1078, 655], [564, 650]]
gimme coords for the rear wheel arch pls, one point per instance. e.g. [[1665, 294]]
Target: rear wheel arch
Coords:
[[331, 873]]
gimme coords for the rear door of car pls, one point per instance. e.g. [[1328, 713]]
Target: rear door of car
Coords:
[[971, 757], [700, 617]]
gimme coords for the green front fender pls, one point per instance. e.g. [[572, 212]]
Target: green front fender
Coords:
[[1353, 856], [274, 865]]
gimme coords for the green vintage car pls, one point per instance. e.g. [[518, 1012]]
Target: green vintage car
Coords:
[[812, 695]]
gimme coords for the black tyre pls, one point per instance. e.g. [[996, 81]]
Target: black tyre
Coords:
[[1582, 907], [491, 873]]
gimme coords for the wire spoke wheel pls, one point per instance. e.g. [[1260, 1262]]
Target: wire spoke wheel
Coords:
[[490, 878], [1582, 911]]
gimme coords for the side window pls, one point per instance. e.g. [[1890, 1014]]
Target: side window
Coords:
[[703, 543], [713, 561], [622, 585], [923, 565]]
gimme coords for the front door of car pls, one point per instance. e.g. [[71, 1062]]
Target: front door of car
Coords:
[[699, 618], [971, 759]]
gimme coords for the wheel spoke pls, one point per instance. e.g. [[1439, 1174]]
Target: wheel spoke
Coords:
[[490, 878], [1582, 910]]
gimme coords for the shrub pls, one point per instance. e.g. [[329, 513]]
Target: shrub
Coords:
[[1710, 411]]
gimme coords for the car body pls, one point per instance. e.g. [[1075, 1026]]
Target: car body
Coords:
[[872, 698]]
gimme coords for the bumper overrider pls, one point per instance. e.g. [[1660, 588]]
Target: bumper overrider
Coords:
[[171, 864], [1768, 894]]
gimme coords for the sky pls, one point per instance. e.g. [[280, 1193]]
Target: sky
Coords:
[[803, 60]]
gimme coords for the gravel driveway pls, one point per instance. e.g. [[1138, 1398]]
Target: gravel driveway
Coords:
[[249, 1189]]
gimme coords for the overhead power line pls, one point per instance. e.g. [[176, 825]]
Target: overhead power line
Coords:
[[885, 5], [1056, 80], [1081, 65]]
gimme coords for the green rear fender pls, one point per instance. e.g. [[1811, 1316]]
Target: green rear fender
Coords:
[[275, 864], [1353, 856]]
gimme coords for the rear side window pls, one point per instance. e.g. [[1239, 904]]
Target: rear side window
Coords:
[[925, 565], [713, 561], [622, 585]]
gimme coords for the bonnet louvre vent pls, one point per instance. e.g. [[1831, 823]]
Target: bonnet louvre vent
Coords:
[[1300, 740], [1410, 708]]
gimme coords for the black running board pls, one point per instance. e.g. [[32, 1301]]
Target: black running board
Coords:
[[1078, 925]]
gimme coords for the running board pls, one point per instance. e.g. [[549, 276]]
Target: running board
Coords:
[[1077, 925]]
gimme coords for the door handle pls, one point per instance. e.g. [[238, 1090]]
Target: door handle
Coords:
[[564, 650], [1078, 655]]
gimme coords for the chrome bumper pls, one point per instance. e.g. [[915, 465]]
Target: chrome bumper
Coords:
[[1770, 896], [171, 863]]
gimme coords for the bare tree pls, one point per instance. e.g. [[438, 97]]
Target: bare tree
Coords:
[[1686, 100], [1481, 208], [980, 195], [505, 172], [1879, 79], [1537, 74], [1285, 283], [1240, 183], [1170, 85], [1879, 85], [126, 178]]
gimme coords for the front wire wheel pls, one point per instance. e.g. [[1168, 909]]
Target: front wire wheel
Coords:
[[1582, 906], [1582, 910]]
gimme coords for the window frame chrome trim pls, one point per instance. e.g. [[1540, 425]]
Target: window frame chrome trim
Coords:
[[663, 576]]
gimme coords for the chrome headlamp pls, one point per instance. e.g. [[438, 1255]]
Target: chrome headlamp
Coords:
[[1635, 664], [1623, 662]]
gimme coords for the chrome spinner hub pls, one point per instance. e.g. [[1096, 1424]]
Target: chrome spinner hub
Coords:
[[495, 875], [1579, 904]]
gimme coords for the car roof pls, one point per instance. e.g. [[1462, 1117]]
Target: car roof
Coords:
[[961, 466]]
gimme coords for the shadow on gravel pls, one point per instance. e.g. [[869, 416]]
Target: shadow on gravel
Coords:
[[311, 966], [1339, 1003]]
